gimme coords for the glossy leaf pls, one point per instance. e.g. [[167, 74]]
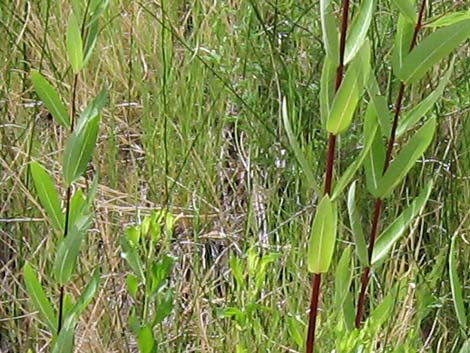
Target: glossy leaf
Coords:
[[407, 9], [421, 109], [456, 286], [356, 227], [322, 237], [50, 98], [299, 155], [39, 297], [370, 129], [407, 157], [359, 28], [432, 49], [79, 148], [48, 195], [402, 44], [329, 31], [74, 44], [396, 229], [449, 19]]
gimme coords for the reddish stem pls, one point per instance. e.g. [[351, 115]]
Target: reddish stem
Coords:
[[388, 158], [328, 180]]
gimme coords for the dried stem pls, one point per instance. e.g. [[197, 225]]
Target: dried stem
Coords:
[[379, 201]]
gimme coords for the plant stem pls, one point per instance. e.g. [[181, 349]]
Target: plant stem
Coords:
[[379, 201], [67, 201], [328, 181]]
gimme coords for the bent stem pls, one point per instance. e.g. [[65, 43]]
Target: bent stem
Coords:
[[379, 201], [328, 181]]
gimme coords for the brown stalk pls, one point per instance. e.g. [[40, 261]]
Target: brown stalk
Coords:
[[379, 201], [316, 281]]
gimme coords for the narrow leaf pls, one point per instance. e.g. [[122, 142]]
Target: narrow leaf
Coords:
[[379, 103], [456, 286], [79, 149], [402, 45], [374, 164], [359, 28], [299, 155], [145, 340], [327, 89], [407, 9], [39, 297], [48, 195], [50, 98], [87, 296], [406, 158], [356, 227], [74, 44], [421, 109], [329, 30], [432, 49], [130, 254], [322, 237], [449, 19], [343, 277], [394, 231]]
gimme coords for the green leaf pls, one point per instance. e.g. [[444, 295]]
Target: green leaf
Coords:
[[164, 308], [380, 106], [329, 30], [448, 19], [145, 340], [343, 277], [296, 330], [93, 109], [87, 296], [48, 195], [92, 191], [421, 109], [456, 286], [132, 283], [50, 98], [322, 237], [65, 341], [359, 28], [93, 29], [406, 159], [356, 227], [349, 93], [374, 165], [67, 253], [407, 9], [327, 89], [130, 254], [466, 347], [160, 272], [432, 49], [79, 150], [402, 45], [299, 155], [78, 207], [395, 230], [74, 44], [39, 297], [370, 129]]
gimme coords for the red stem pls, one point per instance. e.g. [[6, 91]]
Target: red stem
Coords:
[[388, 158], [328, 180]]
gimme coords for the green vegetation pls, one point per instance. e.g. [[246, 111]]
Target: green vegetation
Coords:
[[178, 176]]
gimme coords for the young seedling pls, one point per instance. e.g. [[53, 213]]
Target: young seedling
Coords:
[[74, 221]]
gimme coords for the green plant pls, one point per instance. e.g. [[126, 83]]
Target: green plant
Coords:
[[74, 221], [148, 284]]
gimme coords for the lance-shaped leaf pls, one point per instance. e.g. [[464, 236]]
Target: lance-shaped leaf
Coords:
[[465, 347], [329, 30], [406, 159], [370, 129], [93, 109], [374, 164], [64, 342], [146, 340], [432, 49], [356, 227], [421, 109], [395, 230], [449, 19], [379, 103], [50, 98], [48, 195], [456, 286], [93, 29], [349, 93], [69, 248], [74, 44], [327, 89], [402, 44], [39, 297], [87, 296], [343, 277], [359, 28], [131, 255], [322, 237], [79, 148], [299, 155], [407, 9]]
